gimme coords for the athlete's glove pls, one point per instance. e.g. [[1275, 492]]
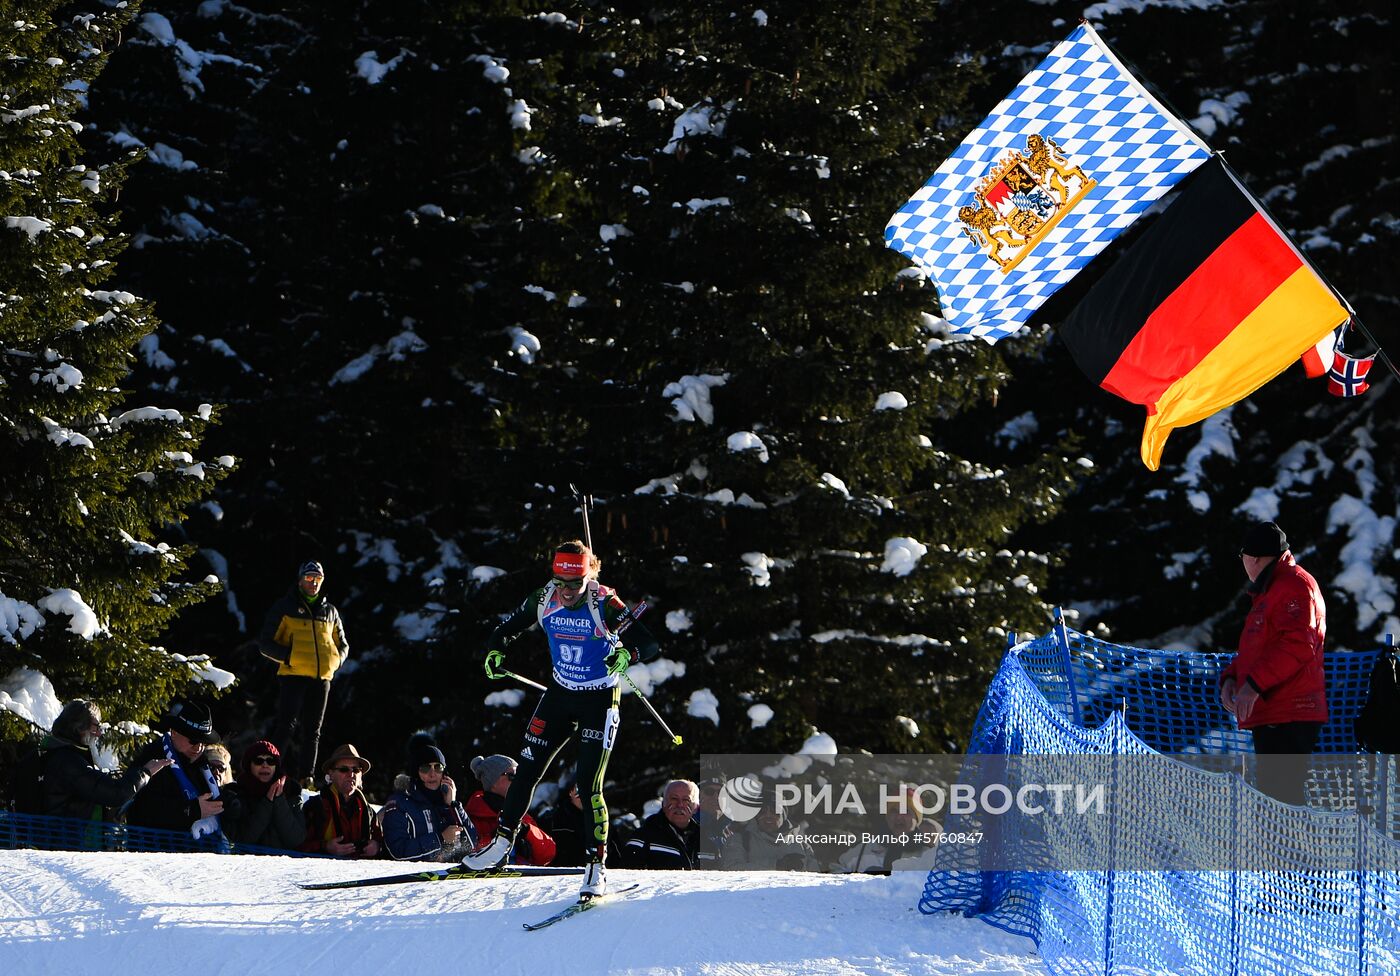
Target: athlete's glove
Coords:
[[494, 659], [618, 659]]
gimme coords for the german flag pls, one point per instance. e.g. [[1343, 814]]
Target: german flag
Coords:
[[1211, 303]]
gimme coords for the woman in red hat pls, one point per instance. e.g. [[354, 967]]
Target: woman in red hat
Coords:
[[272, 814]]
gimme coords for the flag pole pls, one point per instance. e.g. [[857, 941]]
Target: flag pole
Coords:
[[1381, 354], [1131, 68], [1360, 326]]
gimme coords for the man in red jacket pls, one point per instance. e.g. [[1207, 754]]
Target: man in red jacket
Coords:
[[1275, 685]]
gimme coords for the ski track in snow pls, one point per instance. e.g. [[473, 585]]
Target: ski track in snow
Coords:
[[156, 914]]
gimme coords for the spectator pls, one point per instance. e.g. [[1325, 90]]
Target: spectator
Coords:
[[339, 820], [184, 795], [423, 821], [715, 828], [303, 633], [1275, 687], [669, 840], [272, 814], [581, 620], [220, 763], [903, 834], [71, 783], [571, 829], [764, 844], [496, 773]]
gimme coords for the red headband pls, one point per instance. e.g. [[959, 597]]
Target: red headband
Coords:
[[571, 564]]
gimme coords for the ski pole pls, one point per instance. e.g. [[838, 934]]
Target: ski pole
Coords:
[[626, 621], [521, 678], [675, 739], [585, 502]]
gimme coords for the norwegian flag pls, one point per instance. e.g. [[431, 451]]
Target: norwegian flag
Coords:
[[1347, 377]]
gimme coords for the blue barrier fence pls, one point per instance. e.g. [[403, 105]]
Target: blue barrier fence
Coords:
[[20, 831], [1272, 915]]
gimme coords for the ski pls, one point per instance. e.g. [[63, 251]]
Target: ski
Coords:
[[579, 907], [446, 874]]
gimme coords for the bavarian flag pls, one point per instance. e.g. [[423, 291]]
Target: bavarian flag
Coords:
[[1211, 303], [1063, 164]]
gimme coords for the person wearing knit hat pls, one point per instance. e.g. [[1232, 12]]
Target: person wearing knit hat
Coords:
[[1275, 685], [581, 620], [304, 635], [422, 750], [497, 776], [423, 821], [490, 769], [272, 814], [1264, 540]]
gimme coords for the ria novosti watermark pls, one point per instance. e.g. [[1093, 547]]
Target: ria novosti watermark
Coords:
[[1032, 813], [933, 799]]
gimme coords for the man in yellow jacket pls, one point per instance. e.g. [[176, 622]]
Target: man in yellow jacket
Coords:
[[304, 635]]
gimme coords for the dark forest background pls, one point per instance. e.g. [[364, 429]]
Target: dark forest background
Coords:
[[431, 263]]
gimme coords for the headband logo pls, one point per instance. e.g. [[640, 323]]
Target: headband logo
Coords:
[[570, 564]]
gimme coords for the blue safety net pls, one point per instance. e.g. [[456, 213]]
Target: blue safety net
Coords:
[[21, 830], [1272, 912]]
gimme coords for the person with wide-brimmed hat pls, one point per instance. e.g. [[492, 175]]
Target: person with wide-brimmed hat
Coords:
[[340, 821], [185, 795]]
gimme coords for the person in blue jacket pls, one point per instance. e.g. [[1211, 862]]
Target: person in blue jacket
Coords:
[[423, 820]]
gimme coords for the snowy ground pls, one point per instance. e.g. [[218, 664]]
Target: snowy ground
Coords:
[[210, 915]]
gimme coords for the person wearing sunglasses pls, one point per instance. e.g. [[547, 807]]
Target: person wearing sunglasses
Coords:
[[423, 821], [220, 763], [304, 635], [340, 821], [272, 814], [498, 774], [578, 616], [184, 795]]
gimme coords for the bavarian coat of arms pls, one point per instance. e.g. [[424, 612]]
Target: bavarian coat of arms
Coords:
[[1021, 199]]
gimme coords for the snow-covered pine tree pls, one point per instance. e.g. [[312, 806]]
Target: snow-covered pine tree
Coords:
[[335, 182], [779, 441], [92, 488]]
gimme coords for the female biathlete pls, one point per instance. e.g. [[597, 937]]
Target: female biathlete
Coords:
[[578, 616]]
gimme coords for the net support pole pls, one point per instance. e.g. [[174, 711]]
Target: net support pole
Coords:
[[1360, 893], [1383, 765], [1116, 745], [1062, 638], [1236, 791]]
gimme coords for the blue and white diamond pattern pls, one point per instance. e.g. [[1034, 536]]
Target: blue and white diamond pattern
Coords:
[[1081, 97]]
